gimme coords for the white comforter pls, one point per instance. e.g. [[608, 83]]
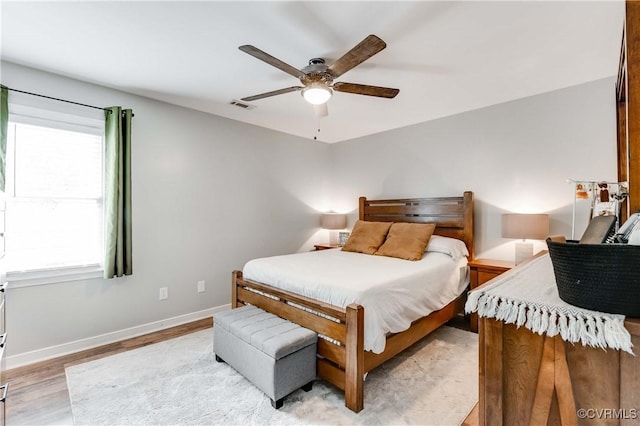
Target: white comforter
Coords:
[[393, 292]]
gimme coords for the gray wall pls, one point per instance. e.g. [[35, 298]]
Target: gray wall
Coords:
[[210, 193], [515, 156]]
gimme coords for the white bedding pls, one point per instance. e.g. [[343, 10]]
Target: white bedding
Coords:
[[393, 292]]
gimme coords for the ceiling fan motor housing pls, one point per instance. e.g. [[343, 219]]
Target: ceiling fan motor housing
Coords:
[[316, 72]]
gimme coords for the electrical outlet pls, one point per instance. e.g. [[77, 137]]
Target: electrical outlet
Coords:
[[201, 287], [164, 293]]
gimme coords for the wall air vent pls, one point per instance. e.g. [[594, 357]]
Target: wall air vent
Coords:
[[241, 104]]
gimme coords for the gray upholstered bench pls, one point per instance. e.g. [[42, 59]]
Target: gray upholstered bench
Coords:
[[276, 355]]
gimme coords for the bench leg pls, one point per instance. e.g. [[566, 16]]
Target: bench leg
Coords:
[[277, 404], [307, 387], [219, 359]]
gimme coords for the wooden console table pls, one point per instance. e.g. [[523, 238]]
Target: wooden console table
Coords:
[[481, 271], [532, 379]]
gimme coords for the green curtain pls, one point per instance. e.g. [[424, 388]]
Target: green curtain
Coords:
[[118, 258], [4, 120]]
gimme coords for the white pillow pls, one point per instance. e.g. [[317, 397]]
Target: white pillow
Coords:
[[451, 246]]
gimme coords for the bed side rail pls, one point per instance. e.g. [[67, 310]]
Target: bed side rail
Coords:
[[323, 318]]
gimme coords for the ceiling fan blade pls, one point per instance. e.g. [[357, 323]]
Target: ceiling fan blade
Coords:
[[363, 89], [321, 110], [363, 51], [263, 56], [273, 93]]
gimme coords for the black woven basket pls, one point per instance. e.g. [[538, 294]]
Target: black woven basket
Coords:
[[599, 277]]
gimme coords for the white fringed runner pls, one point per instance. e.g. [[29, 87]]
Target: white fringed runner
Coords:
[[528, 296]]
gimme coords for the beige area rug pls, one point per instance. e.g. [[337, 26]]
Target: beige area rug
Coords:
[[178, 382]]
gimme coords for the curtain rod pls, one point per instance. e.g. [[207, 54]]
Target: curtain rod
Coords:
[[55, 99], [58, 99]]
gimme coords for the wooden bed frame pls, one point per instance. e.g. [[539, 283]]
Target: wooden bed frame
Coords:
[[345, 364]]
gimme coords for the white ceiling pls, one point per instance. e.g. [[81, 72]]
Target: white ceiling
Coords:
[[445, 57]]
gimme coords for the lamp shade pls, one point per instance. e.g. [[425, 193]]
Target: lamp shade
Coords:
[[525, 226], [334, 221]]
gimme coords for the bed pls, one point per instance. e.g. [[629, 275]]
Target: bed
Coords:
[[342, 358]]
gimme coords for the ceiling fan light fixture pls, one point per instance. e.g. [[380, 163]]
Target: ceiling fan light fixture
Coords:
[[316, 93]]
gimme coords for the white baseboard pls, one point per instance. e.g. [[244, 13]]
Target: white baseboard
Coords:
[[43, 354]]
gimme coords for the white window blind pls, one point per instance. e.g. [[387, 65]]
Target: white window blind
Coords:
[[54, 215]]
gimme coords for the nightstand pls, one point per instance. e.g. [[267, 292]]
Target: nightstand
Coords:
[[483, 270], [325, 246]]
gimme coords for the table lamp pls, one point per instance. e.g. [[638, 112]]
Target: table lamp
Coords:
[[525, 227], [333, 222]]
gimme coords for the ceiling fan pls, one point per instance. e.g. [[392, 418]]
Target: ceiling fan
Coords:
[[317, 77]]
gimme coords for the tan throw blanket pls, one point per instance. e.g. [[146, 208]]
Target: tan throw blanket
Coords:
[[528, 296]]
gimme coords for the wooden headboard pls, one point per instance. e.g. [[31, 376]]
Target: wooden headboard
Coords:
[[453, 216]]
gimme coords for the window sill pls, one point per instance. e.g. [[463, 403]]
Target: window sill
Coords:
[[19, 279]]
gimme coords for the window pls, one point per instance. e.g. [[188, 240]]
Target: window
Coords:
[[54, 190]]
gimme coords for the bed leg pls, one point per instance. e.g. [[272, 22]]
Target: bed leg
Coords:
[[354, 368], [235, 275]]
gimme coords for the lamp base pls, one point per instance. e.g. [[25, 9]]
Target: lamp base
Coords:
[[334, 238], [524, 252]]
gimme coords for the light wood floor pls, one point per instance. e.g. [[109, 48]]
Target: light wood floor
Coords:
[[38, 393]]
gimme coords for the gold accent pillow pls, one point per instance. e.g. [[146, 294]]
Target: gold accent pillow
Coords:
[[407, 240], [367, 237]]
